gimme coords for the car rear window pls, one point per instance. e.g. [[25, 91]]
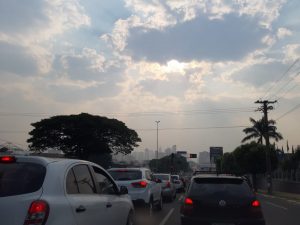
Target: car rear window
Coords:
[[219, 186], [175, 177], [20, 178], [120, 175], [162, 176]]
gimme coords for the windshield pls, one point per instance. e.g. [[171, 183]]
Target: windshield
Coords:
[[20, 178], [162, 176], [123, 175], [203, 187]]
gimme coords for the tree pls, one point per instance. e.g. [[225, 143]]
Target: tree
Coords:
[[258, 131], [251, 158], [170, 164], [229, 164], [82, 136]]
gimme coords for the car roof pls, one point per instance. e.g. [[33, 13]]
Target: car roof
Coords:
[[216, 176], [133, 168], [45, 160]]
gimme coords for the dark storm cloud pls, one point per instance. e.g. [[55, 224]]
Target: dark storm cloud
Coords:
[[15, 59], [200, 39], [260, 74]]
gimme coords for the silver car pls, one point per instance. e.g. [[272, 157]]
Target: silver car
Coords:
[[37, 190], [167, 185]]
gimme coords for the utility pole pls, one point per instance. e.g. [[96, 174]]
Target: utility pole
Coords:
[[157, 122], [265, 108]]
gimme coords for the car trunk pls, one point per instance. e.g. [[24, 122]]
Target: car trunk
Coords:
[[20, 185], [222, 208], [14, 208]]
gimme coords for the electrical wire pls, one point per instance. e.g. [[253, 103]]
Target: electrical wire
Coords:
[[288, 112], [283, 75]]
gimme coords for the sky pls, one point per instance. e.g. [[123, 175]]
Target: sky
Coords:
[[196, 66]]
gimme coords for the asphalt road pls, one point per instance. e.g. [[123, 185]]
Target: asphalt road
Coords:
[[276, 212]]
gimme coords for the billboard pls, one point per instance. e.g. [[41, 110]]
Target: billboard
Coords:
[[215, 153]]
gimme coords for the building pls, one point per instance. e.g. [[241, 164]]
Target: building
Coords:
[[204, 158]]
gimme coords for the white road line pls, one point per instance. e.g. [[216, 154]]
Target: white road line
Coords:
[[275, 205], [167, 217]]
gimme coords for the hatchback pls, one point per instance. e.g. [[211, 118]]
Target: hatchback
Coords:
[[44, 191], [220, 200]]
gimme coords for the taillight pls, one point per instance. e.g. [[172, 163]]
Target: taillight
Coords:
[[140, 184], [7, 159], [187, 206], [255, 203], [188, 201], [168, 184], [37, 213]]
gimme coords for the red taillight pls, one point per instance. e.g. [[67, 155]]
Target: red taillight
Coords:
[[7, 159], [187, 206], [37, 213], [255, 203], [168, 184], [140, 184], [188, 201]]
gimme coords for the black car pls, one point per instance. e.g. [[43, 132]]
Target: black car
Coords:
[[220, 200]]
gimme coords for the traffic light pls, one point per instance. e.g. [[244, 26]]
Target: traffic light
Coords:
[[193, 156]]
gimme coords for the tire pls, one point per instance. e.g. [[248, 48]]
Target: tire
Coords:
[[159, 205], [130, 219]]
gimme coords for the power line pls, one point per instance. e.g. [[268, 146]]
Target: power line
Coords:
[[158, 113], [288, 112], [283, 86], [285, 93], [193, 128], [278, 80]]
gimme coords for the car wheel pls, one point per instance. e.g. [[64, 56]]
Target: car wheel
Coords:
[[130, 219], [160, 204]]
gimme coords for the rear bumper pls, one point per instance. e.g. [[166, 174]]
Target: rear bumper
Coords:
[[204, 221], [167, 192]]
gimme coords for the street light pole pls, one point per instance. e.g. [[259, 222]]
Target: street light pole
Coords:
[[157, 122]]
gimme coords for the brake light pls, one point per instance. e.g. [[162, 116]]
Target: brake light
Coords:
[[7, 159], [187, 206], [188, 201], [140, 184], [255, 203], [168, 184], [37, 213]]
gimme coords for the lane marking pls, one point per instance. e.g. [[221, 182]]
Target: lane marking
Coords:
[[275, 205], [167, 217]]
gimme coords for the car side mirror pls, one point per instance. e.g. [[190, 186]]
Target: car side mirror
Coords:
[[123, 190]]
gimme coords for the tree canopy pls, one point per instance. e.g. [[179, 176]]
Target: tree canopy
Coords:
[[170, 164], [82, 135], [258, 131]]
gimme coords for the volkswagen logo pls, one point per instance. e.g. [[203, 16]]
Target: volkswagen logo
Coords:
[[222, 203]]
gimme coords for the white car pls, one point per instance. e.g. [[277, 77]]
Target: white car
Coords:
[[142, 186], [44, 191], [178, 183]]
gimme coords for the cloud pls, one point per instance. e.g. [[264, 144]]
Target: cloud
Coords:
[[200, 39], [16, 59], [282, 32], [260, 74]]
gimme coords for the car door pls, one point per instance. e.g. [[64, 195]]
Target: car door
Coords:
[[88, 206], [118, 206], [155, 188]]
